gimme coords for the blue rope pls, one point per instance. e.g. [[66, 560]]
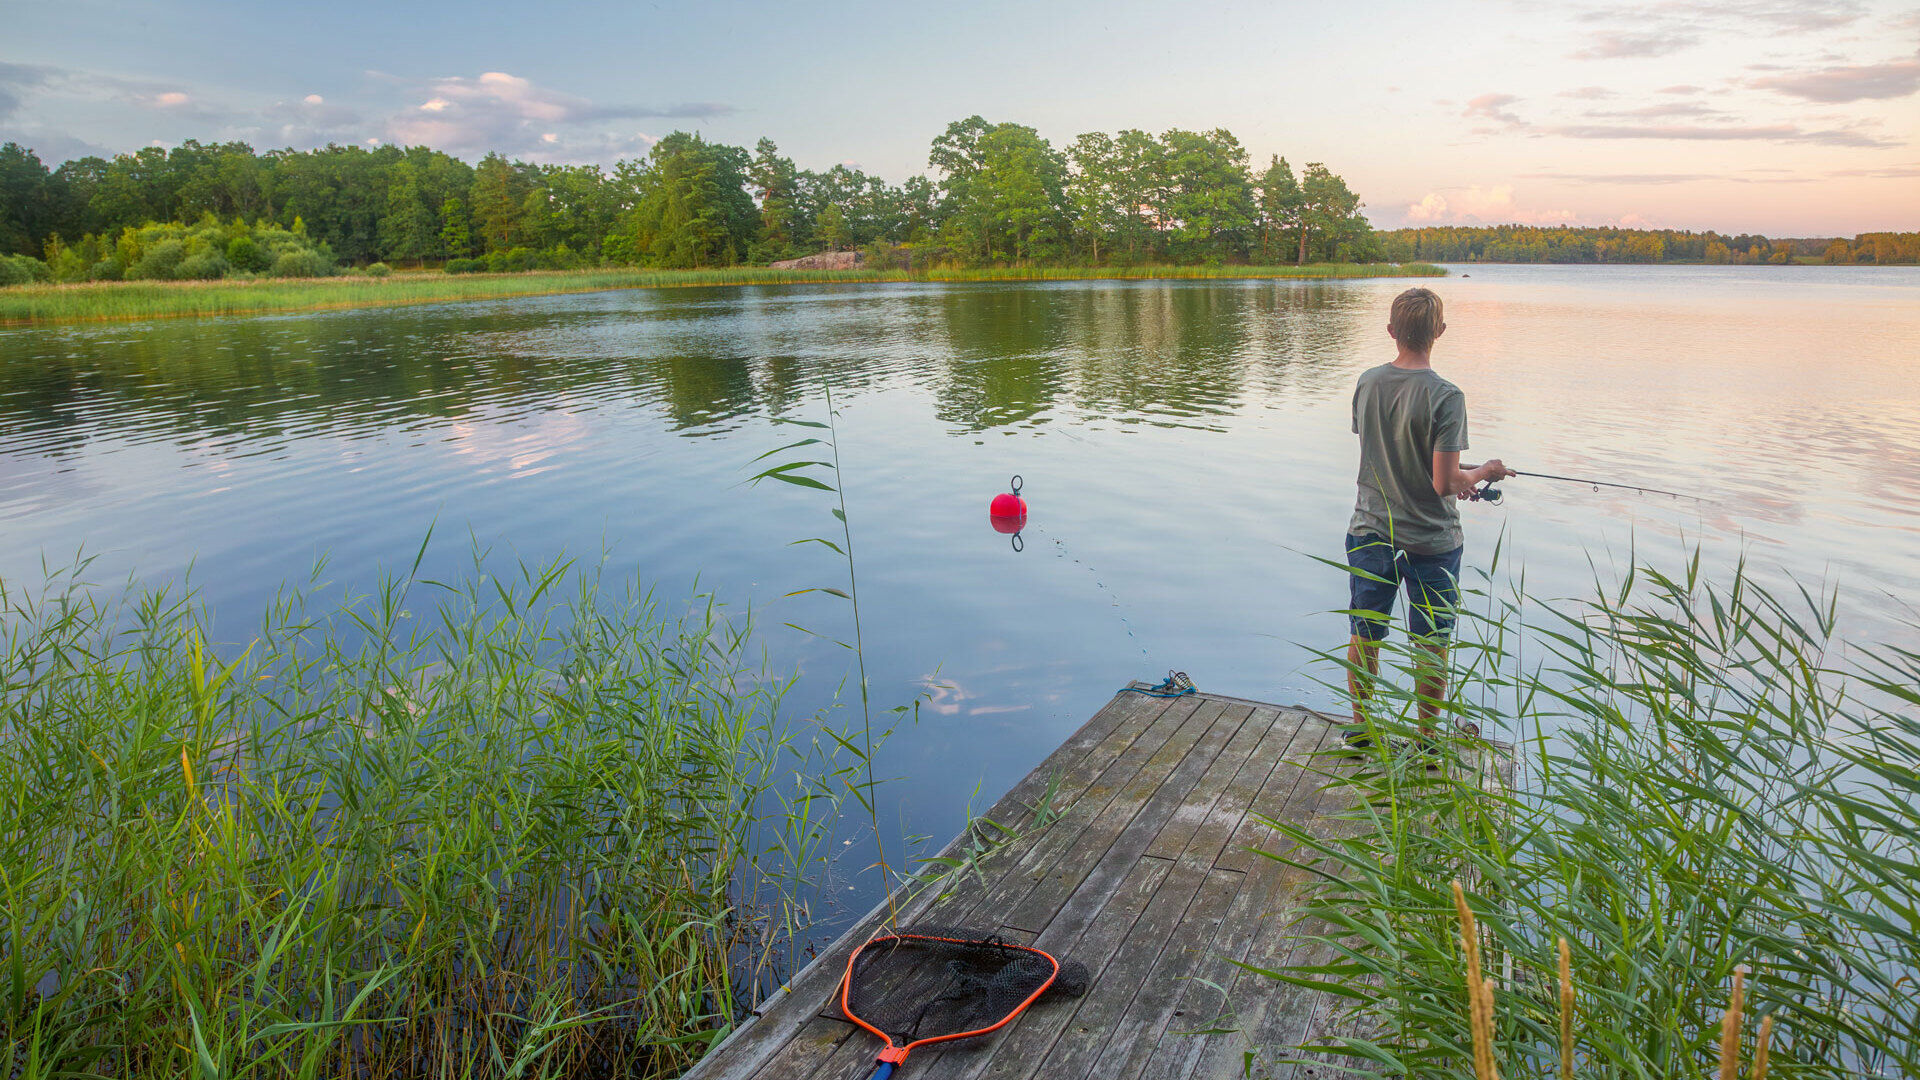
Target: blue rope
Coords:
[[1176, 684]]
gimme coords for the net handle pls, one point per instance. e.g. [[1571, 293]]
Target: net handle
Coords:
[[894, 1055]]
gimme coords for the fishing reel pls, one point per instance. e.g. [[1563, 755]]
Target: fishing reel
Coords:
[[1486, 493]]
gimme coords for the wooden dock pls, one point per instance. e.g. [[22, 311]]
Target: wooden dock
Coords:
[[1144, 875]]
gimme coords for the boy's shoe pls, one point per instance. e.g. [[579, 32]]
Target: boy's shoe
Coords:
[[1359, 743], [1423, 747]]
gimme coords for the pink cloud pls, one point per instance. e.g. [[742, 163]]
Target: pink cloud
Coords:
[[1493, 107], [1482, 205], [1838, 85]]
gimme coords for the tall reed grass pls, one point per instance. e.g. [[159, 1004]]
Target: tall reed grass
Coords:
[[534, 824], [120, 301], [1706, 788]]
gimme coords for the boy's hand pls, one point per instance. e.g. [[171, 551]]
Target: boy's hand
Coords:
[[1495, 469]]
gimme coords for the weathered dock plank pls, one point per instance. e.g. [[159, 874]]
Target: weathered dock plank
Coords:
[[1144, 873]]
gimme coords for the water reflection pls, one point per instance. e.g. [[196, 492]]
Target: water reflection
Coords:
[[1185, 448], [993, 356]]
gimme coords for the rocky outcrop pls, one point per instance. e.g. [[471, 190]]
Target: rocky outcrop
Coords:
[[826, 260]]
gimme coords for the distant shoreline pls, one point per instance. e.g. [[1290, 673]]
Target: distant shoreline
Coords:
[[123, 301]]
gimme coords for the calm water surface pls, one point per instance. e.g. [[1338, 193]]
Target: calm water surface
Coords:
[[1185, 448]]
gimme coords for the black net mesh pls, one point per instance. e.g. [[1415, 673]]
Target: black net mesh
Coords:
[[943, 980]]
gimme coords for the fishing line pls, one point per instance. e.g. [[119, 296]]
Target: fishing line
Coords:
[[1062, 551], [1607, 483]]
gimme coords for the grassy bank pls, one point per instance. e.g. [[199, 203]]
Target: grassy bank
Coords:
[[113, 301], [1704, 790], [449, 831]]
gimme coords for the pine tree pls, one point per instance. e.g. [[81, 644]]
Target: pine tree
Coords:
[[456, 229]]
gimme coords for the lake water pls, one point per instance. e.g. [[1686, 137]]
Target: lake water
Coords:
[[1185, 449]]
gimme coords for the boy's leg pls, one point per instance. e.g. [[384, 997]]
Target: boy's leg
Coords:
[[1431, 686], [1363, 666], [1433, 596], [1373, 585]]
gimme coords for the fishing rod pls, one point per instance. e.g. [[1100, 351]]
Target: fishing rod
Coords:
[[1489, 493]]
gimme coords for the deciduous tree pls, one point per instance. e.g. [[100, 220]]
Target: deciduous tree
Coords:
[[1280, 205], [693, 209], [1208, 209]]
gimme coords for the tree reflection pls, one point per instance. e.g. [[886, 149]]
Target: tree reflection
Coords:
[[992, 357]]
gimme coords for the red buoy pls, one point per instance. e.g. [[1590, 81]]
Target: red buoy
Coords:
[[1008, 510]]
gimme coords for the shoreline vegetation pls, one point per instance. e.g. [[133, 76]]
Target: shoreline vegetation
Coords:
[[534, 823], [1714, 789], [116, 301], [526, 822]]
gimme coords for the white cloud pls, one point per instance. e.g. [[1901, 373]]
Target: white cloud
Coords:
[[311, 121], [499, 111], [1480, 205]]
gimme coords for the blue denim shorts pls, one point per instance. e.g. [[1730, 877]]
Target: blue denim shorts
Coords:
[[1433, 588]]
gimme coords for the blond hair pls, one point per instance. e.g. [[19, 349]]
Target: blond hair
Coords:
[[1416, 319]]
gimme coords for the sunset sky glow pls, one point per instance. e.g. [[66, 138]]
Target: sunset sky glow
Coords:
[[1787, 118]]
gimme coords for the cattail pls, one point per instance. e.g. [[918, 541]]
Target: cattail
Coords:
[[1566, 1011], [1483, 1039], [1760, 1048], [1730, 1028], [1479, 991]]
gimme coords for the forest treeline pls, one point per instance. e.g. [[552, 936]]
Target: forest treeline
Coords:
[[1573, 244], [995, 193]]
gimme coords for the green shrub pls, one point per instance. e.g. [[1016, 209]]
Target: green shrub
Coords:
[[466, 266], [202, 266], [22, 270], [204, 251], [561, 257], [306, 263], [244, 254], [378, 269], [513, 261], [158, 261], [75, 262]]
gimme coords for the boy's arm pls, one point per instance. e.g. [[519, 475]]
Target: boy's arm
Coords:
[[1451, 478]]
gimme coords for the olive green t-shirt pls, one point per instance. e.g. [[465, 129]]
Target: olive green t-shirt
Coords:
[[1403, 416]]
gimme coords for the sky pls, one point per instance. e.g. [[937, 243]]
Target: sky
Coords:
[[1772, 116]]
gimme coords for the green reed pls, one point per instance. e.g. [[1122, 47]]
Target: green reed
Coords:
[[118, 301], [533, 824], [1703, 788]]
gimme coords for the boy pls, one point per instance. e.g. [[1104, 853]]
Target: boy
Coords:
[[1406, 527]]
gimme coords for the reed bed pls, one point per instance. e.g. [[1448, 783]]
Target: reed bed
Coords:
[[531, 824], [114, 301], [1709, 860]]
